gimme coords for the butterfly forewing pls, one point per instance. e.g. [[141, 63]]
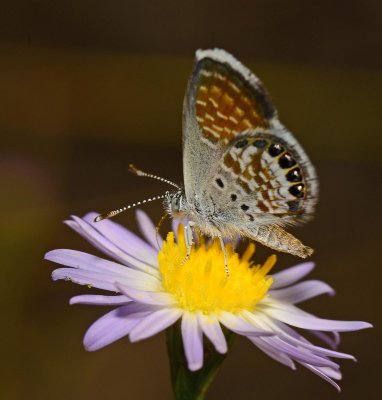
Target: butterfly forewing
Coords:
[[223, 99], [225, 104]]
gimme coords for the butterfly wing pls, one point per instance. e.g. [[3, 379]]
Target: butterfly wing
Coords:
[[238, 154], [262, 184], [267, 180], [223, 98]]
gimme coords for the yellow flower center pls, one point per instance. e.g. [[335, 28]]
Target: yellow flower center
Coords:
[[201, 283]]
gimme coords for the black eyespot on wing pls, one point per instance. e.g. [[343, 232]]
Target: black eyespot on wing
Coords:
[[297, 190], [219, 182], [293, 205], [244, 207], [241, 143], [275, 149], [251, 217], [233, 197], [260, 143], [294, 175], [286, 161]]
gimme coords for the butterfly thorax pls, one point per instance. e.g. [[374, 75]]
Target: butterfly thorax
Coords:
[[201, 213]]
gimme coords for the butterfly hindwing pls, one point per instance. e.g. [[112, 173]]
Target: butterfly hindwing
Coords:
[[264, 180]]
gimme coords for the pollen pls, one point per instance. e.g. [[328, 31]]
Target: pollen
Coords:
[[201, 283]]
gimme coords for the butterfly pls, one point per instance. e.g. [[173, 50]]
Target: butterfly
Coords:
[[245, 175]]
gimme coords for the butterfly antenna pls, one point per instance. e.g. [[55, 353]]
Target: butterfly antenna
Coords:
[[138, 172], [120, 210], [163, 217]]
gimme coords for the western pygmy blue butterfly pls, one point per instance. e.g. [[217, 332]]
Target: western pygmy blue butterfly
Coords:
[[244, 172]]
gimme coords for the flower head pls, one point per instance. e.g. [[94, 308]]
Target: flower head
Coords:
[[155, 290]]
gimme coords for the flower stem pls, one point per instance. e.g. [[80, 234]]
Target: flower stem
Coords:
[[186, 384]]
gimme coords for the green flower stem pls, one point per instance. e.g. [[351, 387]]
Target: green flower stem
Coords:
[[188, 385]]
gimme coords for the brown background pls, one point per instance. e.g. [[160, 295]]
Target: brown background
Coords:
[[86, 87]]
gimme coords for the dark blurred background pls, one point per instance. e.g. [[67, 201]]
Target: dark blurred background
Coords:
[[86, 87]]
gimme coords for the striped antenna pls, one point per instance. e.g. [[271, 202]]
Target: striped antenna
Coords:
[[120, 210], [138, 172]]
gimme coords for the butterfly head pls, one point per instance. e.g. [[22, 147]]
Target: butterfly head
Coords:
[[175, 203]]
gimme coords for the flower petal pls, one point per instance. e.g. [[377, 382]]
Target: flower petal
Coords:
[[300, 354], [88, 262], [88, 278], [148, 229], [291, 336], [211, 328], [192, 341], [270, 351], [142, 296], [124, 239], [154, 323], [302, 291], [114, 325], [331, 373], [99, 300], [96, 279], [107, 247], [240, 325], [332, 339], [291, 275], [311, 322], [318, 371]]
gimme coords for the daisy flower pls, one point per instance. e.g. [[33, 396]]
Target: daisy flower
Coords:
[[151, 290]]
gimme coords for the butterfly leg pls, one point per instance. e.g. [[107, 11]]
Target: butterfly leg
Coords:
[[189, 240], [224, 254]]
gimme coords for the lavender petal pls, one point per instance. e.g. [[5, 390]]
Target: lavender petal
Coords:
[[291, 336], [302, 291], [142, 296], [107, 247], [211, 328], [114, 325], [154, 323], [148, 229], [331, 373], [270, 351], [99, 300], [291, 275], [95, 279], [240, 325], [318, 371], [88, 262], [299, 354], [124, 239], [192, 341], [306, 322], [332, 339]]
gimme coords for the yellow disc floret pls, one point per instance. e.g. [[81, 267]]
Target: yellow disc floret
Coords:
[[201, 283]]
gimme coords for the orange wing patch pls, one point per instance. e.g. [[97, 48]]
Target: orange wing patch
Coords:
[[225, 104]]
